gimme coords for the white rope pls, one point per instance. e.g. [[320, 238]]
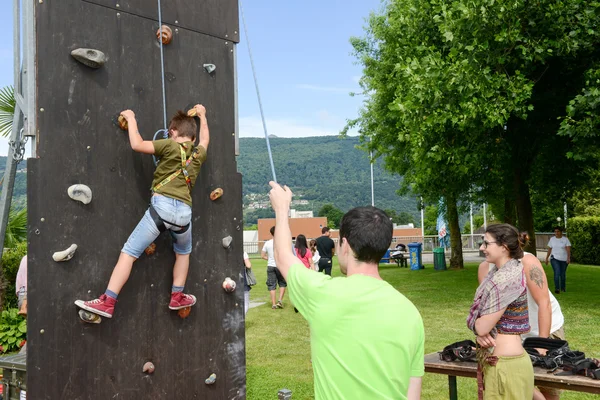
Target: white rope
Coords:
[[162, 68], [262, 114]]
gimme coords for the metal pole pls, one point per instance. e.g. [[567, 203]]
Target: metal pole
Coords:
[[17, 44], [565, 215], [485, 216], [423, 220], [372, 187], [472, 233]]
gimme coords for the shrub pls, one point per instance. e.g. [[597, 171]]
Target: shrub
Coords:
[[13, 330], [11, 258], [584, 235]]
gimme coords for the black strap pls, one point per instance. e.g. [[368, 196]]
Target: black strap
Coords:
[[160, 223]]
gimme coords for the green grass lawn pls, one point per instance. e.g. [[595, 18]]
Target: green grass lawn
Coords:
[[278, 346]]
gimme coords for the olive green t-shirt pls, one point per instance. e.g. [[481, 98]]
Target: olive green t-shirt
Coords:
[[367, 339], [169, 153]]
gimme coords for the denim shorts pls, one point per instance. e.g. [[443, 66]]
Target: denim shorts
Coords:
[[146, 232]]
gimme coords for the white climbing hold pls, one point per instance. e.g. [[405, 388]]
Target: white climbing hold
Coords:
[[210, 68], [80, 193], [226, 242], [65, 255]]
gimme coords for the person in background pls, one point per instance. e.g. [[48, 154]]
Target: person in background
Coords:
[[303, 252], [274, 277], [247, 287], [326, 248], [559, 252], [21, 286], [315, 253]]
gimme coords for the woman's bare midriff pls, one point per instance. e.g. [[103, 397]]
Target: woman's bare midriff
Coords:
[[508, 346]]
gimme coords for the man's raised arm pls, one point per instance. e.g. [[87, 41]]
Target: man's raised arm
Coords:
[[281, 197]]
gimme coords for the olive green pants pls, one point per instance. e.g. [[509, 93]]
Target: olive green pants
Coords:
[[510, 379]]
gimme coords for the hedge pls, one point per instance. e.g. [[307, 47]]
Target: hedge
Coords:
[[584, 235]]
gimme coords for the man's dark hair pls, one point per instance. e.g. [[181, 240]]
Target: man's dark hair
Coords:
[[558, 228], [368, 231], [272, 230], [184, 125], [325, 229]]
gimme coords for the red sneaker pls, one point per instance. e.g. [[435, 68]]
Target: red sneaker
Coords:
[[181, 300], [103, 306]]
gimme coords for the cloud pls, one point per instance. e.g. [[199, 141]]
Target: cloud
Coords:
[[330, 89], [252, 127], [356, 78]]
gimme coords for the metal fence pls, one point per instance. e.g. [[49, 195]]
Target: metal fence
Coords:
[[430, 242]]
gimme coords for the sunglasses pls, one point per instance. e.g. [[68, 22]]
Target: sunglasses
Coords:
[[486, 244]]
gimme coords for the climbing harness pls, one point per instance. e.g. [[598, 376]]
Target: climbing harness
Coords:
[[184, 164], [558, 352], [459, 351], [160, 223]]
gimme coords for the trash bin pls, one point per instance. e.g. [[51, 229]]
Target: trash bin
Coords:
[[386, 258], [439, 259], [415, 250]]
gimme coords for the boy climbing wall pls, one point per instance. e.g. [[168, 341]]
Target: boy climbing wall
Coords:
[[170, 206]]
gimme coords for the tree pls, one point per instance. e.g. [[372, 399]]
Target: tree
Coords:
[[333, 214], [7, 110], [474, 89], [16, 229]]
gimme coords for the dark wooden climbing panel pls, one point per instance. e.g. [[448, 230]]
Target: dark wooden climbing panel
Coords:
[[79, 143]]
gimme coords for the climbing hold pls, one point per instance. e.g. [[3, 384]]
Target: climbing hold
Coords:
[[122, 122], [191, 112], [227, 241], [210, 68], [184, 312], [229, 285], [91, 57], [211, 379], [148, 368], [150, 249], [65, 255], [81, 193], [215, 194], [165, 34], [89, 317]]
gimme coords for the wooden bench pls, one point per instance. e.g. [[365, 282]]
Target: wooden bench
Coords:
[[577, 383]]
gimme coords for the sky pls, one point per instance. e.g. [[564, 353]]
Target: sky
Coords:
[[303, 59]]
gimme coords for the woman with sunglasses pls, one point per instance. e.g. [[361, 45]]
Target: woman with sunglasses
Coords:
[[499, 315]]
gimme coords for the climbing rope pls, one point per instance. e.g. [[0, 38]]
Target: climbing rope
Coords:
[[262, 114], [162, 71]]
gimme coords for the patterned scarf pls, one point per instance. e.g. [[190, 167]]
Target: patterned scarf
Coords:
[[500, 287]]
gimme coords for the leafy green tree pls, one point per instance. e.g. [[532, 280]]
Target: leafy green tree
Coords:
[[7, 110], [334, 215], [459, 93]]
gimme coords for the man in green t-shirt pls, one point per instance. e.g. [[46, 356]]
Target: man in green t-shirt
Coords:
[[170, 206], [367, 339]]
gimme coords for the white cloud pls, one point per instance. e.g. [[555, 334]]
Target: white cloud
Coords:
[[331, 89], [356, 78], [252, 127]]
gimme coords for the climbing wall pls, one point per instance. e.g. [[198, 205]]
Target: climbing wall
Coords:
[[79, 143]]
